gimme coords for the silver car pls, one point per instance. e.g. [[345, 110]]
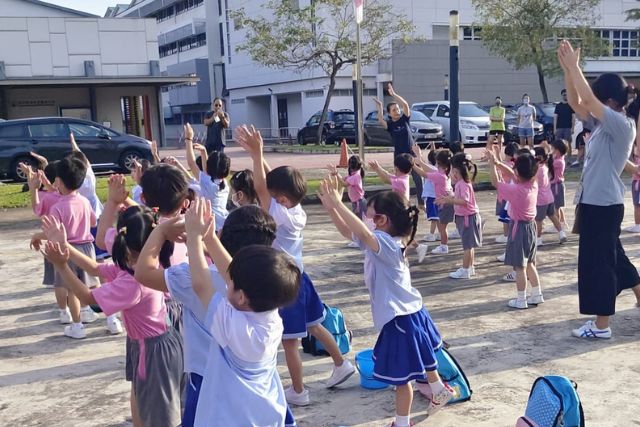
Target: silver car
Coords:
[[423, 130]]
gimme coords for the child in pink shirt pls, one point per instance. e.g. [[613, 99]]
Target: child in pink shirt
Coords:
[[355, 189], [559, 149], [545, 204], [399, 180], [468, 222], [635, 190], [521, 246], [154, 349]]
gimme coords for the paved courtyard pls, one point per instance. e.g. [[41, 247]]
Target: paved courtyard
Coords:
[[49, 380]]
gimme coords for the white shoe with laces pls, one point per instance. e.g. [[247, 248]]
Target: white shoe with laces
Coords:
[[65, 316], [501, 257], [535, 299], [502, 239], [422, 250], [633, 229], [539, 242], [461, 273], [298, 399], [441, 249], [87, 315], [340, 374], [429, 237], [440, 399], [454, 234], [518, 303], [562, 237], [114, 326], [590, 330], [76, 331]]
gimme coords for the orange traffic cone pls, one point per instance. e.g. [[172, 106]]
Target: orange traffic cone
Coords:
[[343, 154]]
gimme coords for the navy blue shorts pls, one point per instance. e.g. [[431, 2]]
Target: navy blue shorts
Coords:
[[501, 212], [100, 254], [306, 311], [194, 382], [431, 209]]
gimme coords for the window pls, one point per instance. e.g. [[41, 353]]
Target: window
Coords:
[[314, 120], [427, 109], [238, 100], [471, 33], [81, 129], [314, 93], [343, 117], [228, 28], [183, 45], [48, 130], [221, 31], [370, 92], [443, 111], [164, 14], [342, 92], [13, 131], [168, 49], [622, 43]]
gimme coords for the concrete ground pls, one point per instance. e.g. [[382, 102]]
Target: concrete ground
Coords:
[[49, 380]]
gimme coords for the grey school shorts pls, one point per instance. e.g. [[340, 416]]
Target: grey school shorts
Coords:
[[445, 214], [471, 235], [521, 245], [88, 250], [635, 192], [558, 194], [545, 211], [49, 274]]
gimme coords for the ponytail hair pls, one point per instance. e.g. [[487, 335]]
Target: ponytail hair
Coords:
[[243, 181], [543, 157], [134, 226], [443, 160], [356, 164], [633, 109], [218, 167], [403, 218], [463, 164]]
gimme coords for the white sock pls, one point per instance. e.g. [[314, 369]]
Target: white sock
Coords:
[[436, 387], [536, 291], [76, 324], [522, 295], [85, 308], [402, 420]]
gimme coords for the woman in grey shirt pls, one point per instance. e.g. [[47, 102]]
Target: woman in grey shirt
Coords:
[[603, 268]]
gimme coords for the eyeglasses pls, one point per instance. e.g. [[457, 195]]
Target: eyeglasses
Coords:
[[217, 105]]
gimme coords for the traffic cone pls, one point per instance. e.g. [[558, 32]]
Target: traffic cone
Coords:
[[343, 154]]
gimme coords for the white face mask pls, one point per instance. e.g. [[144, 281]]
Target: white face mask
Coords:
[[234, 201], [369, 223]]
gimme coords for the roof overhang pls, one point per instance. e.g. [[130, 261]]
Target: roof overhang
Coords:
[[97, 81]]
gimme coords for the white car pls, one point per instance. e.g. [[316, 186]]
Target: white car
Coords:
[[474, 121]]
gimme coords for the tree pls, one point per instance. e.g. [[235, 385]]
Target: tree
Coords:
[[319, 35], [527, 32]]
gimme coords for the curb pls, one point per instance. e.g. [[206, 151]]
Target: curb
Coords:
[[268, 149]]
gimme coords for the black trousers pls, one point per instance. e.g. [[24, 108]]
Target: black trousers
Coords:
[[417, 180], [604, 270]]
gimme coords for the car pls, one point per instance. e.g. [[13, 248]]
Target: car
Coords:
[[338, 125], [105, 148], [423, 129], [511, 126], [544, 115], [474, 121]]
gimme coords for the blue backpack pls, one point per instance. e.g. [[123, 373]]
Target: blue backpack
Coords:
[[452, 374], [335, 324], [553, 402]]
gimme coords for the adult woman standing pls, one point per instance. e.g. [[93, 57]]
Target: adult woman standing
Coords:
[[603, 268]]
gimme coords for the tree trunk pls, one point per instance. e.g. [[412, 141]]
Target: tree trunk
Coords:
[[543, 85], [323, 117]]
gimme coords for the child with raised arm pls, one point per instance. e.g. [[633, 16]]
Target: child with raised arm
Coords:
[[241, 385], [280, 192], [408, 338], [154, 350], [399, 179]]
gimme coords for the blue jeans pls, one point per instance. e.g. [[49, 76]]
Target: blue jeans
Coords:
[[525, 132]]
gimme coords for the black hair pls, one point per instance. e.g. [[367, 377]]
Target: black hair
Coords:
[[134, 226], [145, 165], [443, 159], [526, 166], [633, 109], [74, 154], [243, 181], [389, 105], [289, 182], [498, 97], [543, 157], [510, 149], [245, 226], [522, 151], [50, 170], [355, 164], [217, 98], [404, 162], [611, 86], [580, 137], [526, 94], [199, 162], [269, 278], [465, 167], [218, 167], [71, 172], [431, 157], [456, 147], [164, 187], [403, 218], [563, 91], [561, 145]]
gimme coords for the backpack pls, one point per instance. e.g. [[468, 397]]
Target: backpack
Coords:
[[335, 324], [451, 373], [553, 402]]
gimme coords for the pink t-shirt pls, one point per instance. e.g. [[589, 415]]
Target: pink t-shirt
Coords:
[[75, 213], [521, 197], [545, 195], [400, 184], [144, 312], [46, 200], [355, 188], [558, 170], [464, 190], [441, 183]]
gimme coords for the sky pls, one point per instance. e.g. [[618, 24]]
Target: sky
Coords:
[[96, 7]]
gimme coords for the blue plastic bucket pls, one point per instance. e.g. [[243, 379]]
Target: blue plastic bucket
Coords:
[[364, 365]]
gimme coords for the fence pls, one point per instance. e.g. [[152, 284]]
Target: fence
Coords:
[[175, 136]]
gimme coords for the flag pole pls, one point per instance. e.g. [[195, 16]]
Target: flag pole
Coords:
[[359, 121]]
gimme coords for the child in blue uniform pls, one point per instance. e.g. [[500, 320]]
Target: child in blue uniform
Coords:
[[405, 349]]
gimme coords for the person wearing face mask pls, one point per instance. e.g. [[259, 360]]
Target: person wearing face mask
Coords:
[[526, 117], [216, 122], [496, 128], [563, 120], [243, 192]]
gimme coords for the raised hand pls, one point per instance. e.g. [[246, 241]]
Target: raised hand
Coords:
[[390, 90], [199, 218], [117, 190], [249, 138], [170, 160], [154, 150], [199, 147], [188, 132], [333, 170], [136, 172], [56, 254], [378, 103], [490, 156], [33, 178], [174, 229], [35, 243], [54, 230], [417, 151], [331, 189], [374, 165], [45, 181], [43, 160], [569, 58]]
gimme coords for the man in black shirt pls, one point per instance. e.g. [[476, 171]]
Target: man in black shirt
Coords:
[[216, 122], [563, 120]]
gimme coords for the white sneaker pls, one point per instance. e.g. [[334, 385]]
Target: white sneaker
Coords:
[[501, 257], [114, 325], [589, 330], [539, 242], [509, 277], [422, 251], [441, 249], [461, 273], [429, 237], [75, 330], [562, 237], [633, 229], [298, 399], [535, 299], [518, 303], [352, 245], [472, 271], [65, 316], [87, 315], [454, 234], [340, 374], [549, 229], [502, 239]]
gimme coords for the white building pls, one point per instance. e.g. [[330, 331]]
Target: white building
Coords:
[[56, 61]]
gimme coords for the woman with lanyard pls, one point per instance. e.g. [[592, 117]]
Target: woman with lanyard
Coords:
[[603, 268]]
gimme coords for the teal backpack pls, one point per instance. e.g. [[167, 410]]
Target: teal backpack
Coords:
[[335, 324], [553, 402], [452, 374]]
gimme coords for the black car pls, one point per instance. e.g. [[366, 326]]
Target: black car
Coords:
[[544, 115], [338, 125], [49, 137]]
